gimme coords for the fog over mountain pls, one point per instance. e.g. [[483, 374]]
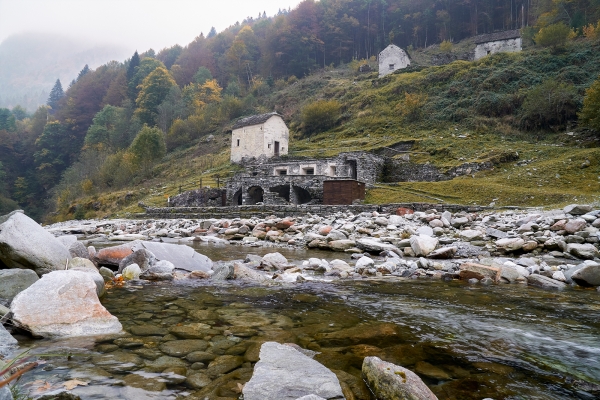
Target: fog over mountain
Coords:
[[31, 62]]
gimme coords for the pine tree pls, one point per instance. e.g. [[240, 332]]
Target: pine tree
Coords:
[[135, 62], [213, 32], [56, 94], [83, 72]]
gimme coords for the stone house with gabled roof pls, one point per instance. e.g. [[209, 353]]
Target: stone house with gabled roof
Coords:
[[392, 58], [259, 135], [498, 42]]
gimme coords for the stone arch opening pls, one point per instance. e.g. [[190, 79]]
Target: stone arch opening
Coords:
[[301, 195], [282, 191], [237, 198], [255, 195]]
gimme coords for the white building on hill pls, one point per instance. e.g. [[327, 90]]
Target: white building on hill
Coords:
[[498, 42], [391, 59], [264, 134]]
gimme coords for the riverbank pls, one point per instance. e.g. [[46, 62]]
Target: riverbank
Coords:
[[542, 248]]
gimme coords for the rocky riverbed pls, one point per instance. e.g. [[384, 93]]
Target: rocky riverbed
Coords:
[[78, 261]]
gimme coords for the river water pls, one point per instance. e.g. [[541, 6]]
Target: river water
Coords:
[[466, 342]]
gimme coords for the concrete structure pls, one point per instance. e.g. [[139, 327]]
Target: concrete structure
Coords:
[[392, 58], [259, 135], [299, 181], [498, 42]]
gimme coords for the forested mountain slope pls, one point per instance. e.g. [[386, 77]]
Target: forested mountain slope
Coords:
[[143, 129]]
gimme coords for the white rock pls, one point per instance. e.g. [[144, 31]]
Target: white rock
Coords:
[[132, 271], [63, 304], [423, 245]]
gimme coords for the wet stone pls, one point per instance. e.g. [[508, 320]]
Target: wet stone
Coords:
[[223, 365], [431, 371], [180, 348], [200, 356], [107, 348], [148, 330], [198, 380], [152, 384], [118, 362], [148, 354], [193, 331], [164, 362]]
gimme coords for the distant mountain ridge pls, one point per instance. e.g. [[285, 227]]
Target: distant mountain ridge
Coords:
[[31, 62]]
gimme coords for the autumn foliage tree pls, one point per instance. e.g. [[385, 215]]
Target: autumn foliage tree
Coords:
[[154, 89], [590, 114]]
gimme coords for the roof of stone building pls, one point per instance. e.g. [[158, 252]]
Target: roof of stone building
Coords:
[[254, 120], [493, 37]]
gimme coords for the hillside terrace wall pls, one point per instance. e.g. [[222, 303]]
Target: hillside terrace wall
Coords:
[[263, 211]]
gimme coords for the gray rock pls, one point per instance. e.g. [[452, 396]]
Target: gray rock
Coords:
[[458, 222], [470, 235], [7, 343], [310, 397], [374, 246], [425, 230], [495, 233], [247, 274], [364, 262], [5, 393], [544, 282], [284, 373], [142, 257], [77, 249], [510, 244], [181, 256], [14, 281], [509, 273], [223, 272], [25, 244], [577, 209], [443, 253], [341, 245], [588, 275], [63, 304], [161, 271], [423, 245], [390, 382], [586, 251], [336, 235], [274, 261], [67, 240]]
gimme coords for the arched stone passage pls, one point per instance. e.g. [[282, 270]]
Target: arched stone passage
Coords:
[[300, 195], [255, 195], [282, 191], [237, 198]]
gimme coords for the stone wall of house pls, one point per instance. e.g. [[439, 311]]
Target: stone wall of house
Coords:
[[499, 46], [257, 140], [406, 171], [392, 58]]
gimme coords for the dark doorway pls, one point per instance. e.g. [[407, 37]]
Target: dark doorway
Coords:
[[276, 149], [301, 195], [282, 191], [237, 198], [353, 169], [255, 195]]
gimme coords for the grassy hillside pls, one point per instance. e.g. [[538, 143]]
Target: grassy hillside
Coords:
[[456, 113]]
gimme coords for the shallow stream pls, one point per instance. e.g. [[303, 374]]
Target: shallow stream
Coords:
[[466, 342]]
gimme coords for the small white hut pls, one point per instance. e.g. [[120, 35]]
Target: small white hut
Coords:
[[498, 42], [391, 59]]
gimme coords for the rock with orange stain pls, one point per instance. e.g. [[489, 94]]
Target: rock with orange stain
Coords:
[[113, 255], [63, 304]]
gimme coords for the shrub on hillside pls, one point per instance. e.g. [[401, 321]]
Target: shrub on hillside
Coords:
[[411, 107], [320, 116], [554, 36], [590, 114], [446, 46], [549, 105], [148, 148]]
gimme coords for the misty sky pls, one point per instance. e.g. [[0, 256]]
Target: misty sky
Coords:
[[135, 24]]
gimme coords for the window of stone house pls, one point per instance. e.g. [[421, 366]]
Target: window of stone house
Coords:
[[308, 171], [332, 170], [238, 143], [269, 146], [392, 67]]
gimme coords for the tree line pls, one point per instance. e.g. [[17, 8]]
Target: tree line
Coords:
[[112, 123]]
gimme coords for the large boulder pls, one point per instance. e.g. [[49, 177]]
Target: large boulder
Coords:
[[25, 244], [244, 273], [390, 382], [85, 265], [473, 270], [63, 304], [577, 209], [284, 373], [14, 281], [181, 256]]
